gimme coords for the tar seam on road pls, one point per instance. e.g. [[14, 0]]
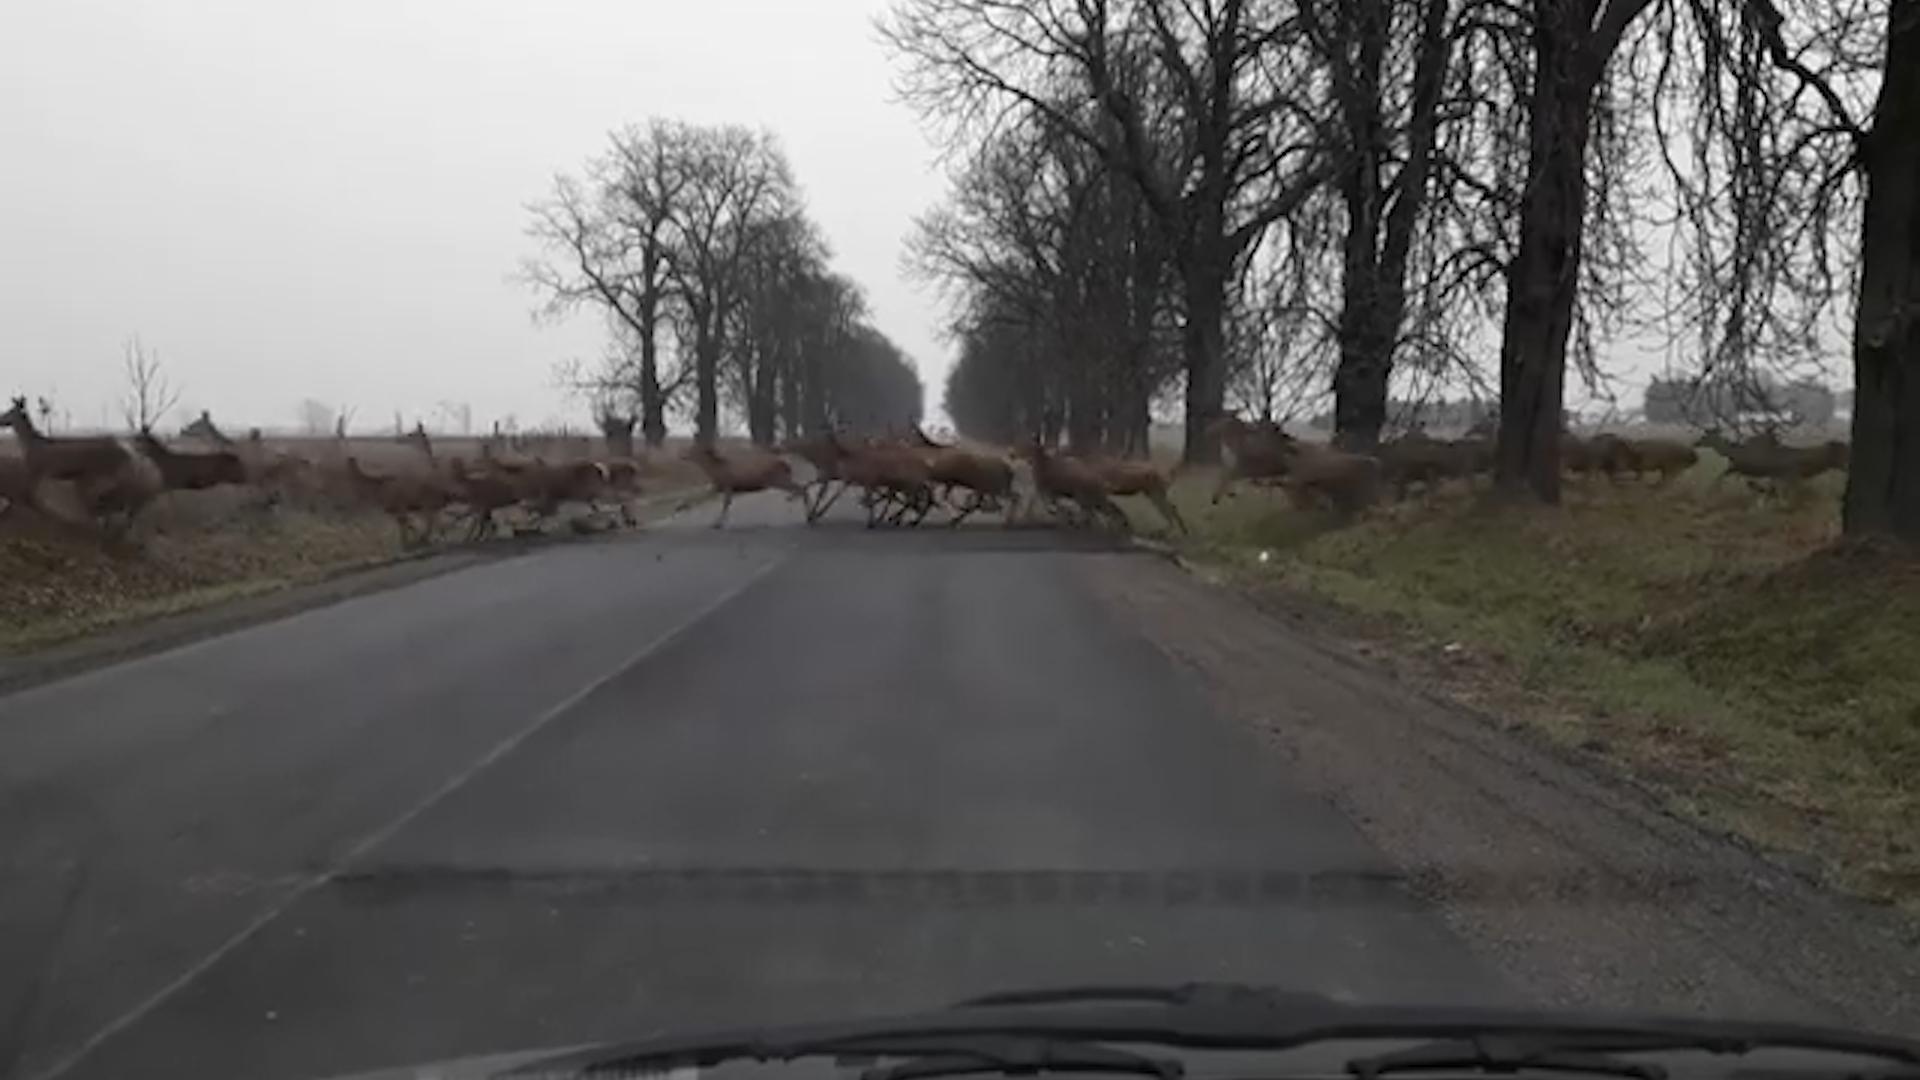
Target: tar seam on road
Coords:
[[385, 832]]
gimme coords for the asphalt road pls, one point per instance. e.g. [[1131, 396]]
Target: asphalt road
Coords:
[[685, 778]]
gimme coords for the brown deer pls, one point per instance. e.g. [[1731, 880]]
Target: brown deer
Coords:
[[188, 471], [895, 481], [623, 486], [1766, 462], [823, 454], [987, 477], [1058, 478], [545, 487], [1349, 482], [740, 476], [275, 472], [1256, 452], [16, 485], [485, 494], [109, 479], [1666, 458], [1124, 477], [400, 496]]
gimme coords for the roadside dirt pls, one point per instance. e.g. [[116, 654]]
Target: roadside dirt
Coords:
[[141, 637], [1563, 874]]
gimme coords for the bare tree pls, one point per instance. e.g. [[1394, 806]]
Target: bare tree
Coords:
[[456, 416], [1197, 104], [1039, 232], [149, 396], [1883, 485], [610, 235], [315, 417], [736, 181]]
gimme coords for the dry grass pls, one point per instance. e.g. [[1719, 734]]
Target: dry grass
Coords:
[[1719, 645], [194, 549], [62, 586]]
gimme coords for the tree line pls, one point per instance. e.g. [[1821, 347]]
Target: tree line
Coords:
[[693, 242], [1250, 202]]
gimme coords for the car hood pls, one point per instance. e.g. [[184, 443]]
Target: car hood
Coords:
[[489, 1065]]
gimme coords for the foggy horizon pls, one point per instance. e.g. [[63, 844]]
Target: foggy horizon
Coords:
[[289, 202]]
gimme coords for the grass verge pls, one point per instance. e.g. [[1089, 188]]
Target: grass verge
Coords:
[[1723, 649], [64, 587], [195, 552]]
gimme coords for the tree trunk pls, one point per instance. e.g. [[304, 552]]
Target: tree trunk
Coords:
[[1545, 274], [1883, 481], [618, 432], [813, 396], [706, 376], [1085, 421], [1366, 331], [1204, 341], [789, 392], [760, 402], [653, 403], [1360, 384]]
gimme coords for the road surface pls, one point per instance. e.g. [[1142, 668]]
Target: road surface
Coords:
[[683, 778]]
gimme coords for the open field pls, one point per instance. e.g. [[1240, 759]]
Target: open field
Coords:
[[1715, 644]]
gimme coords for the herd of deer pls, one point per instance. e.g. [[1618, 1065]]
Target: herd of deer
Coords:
[[1262, 452], [111, 479], [901, 480]]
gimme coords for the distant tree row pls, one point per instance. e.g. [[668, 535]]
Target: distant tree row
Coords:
[[695, 245], [1254, 202], [1716, 403]]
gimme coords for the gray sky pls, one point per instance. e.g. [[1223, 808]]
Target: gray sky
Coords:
[[325, 199]]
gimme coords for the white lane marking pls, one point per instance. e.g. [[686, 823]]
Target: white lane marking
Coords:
[[386, 832]]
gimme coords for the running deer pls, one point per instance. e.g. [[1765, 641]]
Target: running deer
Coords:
[[400, 496], [1765, 461], [894, 480], [109, 479], [181, 471], [1140, 478], [823, 454], [273, 471], [988, 477], [483, 493], [1256, 452], [741, 475], [1058, 478]]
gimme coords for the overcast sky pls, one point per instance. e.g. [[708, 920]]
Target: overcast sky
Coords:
[[324, 198]]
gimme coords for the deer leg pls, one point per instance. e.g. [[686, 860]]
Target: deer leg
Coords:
[[961, 512], [726, 505], [897, 509], [823, 497], [1168, 511], [832, 495], [1228, 474]]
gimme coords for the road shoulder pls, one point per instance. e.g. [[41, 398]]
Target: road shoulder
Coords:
[[210, 612], [141, 638], [1575, 883]]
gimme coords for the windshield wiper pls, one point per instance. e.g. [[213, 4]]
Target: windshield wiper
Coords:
[[994, 1055], [1075, 1023], [1495, 1053]]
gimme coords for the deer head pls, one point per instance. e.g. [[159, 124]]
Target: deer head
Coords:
[[17, 416]]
